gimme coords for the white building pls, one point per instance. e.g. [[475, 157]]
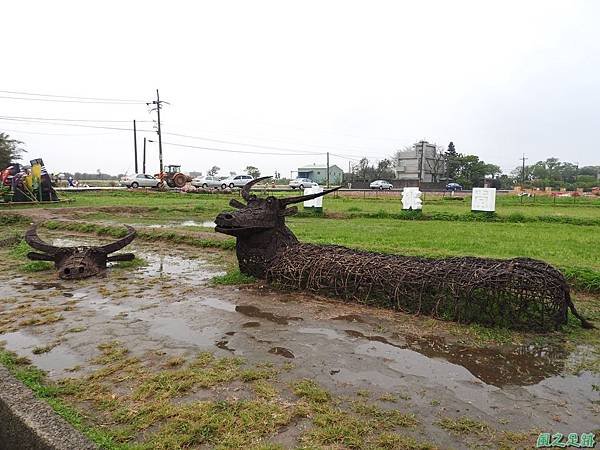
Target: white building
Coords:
[[424, 158]]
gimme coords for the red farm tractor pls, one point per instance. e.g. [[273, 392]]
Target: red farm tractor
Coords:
[[173, 177]]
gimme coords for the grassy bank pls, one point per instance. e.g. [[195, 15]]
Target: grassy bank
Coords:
[[573, 249]]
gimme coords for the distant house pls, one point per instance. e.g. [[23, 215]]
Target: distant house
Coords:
[[318, 173], [424, 158]]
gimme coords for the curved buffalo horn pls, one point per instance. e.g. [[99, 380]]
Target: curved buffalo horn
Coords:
[[118, 245], [247, 186], [303, 198], [32, 238]]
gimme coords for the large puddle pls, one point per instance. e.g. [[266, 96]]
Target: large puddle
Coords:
[[157, 264], [27, 345]]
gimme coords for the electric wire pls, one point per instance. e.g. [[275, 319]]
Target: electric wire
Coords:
[[56, 134], [73, 97], [76, 125], [245, 144], [72, 101], [238, 151], [74, 120]]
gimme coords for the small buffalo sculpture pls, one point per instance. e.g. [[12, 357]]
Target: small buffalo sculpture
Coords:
[[79, 262], [517, 293]]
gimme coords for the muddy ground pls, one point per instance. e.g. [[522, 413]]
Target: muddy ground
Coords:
[[167, 311]]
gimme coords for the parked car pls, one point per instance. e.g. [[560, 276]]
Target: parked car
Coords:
[[454, 187], [381, 184], [139, 180], [206, 182], [236, 181], [301, 183]]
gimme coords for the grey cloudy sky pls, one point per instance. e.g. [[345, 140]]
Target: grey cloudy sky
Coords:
[[498, 78]]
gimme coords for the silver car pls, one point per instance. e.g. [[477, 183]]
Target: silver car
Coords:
[[236, 181], [381, 184], [206, 182], [301, 183], [140, 180]]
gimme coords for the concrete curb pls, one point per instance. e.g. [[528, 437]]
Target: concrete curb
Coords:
[[28, 423]]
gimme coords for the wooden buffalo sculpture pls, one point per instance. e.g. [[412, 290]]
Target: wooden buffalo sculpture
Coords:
[[78, 262], [518, 293]]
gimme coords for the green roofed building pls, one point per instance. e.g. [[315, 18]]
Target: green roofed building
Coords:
[[318, 173]]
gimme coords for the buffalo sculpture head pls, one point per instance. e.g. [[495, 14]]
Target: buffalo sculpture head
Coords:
[[78, 262], [259, 214]]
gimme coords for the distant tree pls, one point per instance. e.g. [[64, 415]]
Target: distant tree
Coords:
[[590, 170], [213, 171], [471, 171], [493, 170], [452, 162], [436, 165], [362, 168], [383, 169], [505, 182], [232, 174], [10, 150], [253, 171], [451, 149], [553, 173], [91, 176]]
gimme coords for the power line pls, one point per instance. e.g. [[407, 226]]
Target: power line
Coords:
[[73, 97], [72, 125], [73, 120], [221, 141], [238, 151], [338, 149], [294, 152], [73, 101], [55, 134]]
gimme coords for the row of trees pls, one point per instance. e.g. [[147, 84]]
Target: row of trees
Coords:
[[556, 174], [364, 170], [470, 171], [467, 170], [250, 170]]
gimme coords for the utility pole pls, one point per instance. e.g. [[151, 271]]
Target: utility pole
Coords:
[[420, 163], [158, 104], [144, 158], [327, 170], [523, 172], [135, 147]]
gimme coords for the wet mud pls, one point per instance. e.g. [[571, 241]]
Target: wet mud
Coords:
[[169, 305]]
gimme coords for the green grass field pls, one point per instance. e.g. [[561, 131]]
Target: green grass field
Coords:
[[562, 244], [372, 202]]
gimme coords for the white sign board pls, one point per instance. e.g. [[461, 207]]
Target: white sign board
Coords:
[[315, 202], [411, 198], [483, 199]]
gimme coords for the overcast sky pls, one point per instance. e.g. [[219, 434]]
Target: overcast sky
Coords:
[[498, 78]]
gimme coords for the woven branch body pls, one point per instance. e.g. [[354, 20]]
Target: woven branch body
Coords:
[[518, 293]]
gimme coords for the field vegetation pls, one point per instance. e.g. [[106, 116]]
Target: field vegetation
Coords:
[[242, 404]]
